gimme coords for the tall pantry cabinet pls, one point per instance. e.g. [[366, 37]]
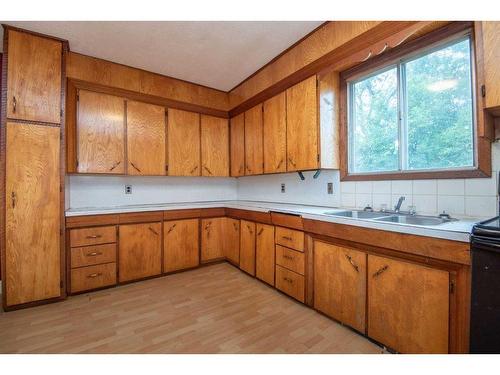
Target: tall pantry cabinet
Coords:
[[32, 168]]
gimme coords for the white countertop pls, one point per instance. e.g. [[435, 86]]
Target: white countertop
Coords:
[[455, 230]]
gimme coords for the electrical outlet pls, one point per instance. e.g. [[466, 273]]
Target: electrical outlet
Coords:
[[128, 189], [329, 187], [282, 188]]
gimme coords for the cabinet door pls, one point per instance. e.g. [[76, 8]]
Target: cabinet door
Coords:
[[32, 215], [139, 253], [181, 244], [340, 284], [101, 133], [33, 78], [183, 143], [408, 306], [254, 153], [232, 237], [302, 126], [275, 134], [247, 247], [212, 239], [491, 51], [237, 145], [145, 139], [265, 253], [214, 146]]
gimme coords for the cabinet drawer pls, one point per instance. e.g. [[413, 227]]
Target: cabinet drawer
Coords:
[[92, 236], [290, 283], [92, 255], [93, 277], [293, 239], [291, 259]]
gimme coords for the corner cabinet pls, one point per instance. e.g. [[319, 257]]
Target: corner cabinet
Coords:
[[181, 244]]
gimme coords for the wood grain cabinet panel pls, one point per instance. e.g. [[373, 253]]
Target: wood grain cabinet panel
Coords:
[[340, 284], [92, 255], [93, 277], [265, 253], [139, 253], [247, 247], [214, 146], [408, 306], [212, 239], [92, 236], [232, 240], [32, 214], [293, 239], [183, 143], [491, 57], [237, 145], [181, 244], [290, 283], [275, 134], [302, 126], [254, 153], [291, 259], [33, 78], [146, 139], [100, 133]]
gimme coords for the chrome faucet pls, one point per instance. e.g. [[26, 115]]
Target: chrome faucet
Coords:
[[397, 208]]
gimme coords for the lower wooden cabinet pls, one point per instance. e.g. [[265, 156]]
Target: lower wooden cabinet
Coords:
[[232, 241], [247, 247], [212, 239], [290, 283], [139, 253], [408, 306], [340, 284], [93, 277], [181, 244], [265, 253]]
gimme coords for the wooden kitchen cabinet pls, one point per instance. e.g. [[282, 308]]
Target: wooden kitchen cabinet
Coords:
[[254, 153], [302, 132], [265, 253], [408, 306], [214, 146], [247, 247], [184, 151], [237, 145], [232, 241], [146, 139], [491, 57], [340, 284], [275, 134], [139, 251], [100, 133], [181, 244], [212, 239], [33, 78], [32, 213]]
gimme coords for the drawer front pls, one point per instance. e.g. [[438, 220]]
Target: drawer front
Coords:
[[290, 283], [92, 255], [290, 259], [93, 277], [293, 239], [92, 236]]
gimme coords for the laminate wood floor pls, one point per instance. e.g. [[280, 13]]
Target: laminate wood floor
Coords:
[[213, 309]]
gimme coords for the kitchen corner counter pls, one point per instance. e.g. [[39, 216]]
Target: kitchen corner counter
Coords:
[[456, 231]]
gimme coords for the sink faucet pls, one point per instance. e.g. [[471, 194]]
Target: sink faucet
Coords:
[[398, 205]]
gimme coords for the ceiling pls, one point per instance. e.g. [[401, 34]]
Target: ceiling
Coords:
[[217, 54]]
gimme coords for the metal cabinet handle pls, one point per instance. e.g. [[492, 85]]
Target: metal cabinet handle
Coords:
[[115, 165], [94, 275], [286, 238], [235, 226], [14, 104], [171, 228], [208, 170], [279, 164], [249, 229], [287, 257], [152, 230], [354, 265], [94, 236], [260, 231], [240, 169], [291, 162], [94, 254], [137, 169], [380, 271], [194, 169], [288, 280], [13, 198]]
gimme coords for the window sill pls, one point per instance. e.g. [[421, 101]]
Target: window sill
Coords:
[[421, 175]]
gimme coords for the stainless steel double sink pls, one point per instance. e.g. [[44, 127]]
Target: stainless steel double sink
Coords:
[[391, 217]]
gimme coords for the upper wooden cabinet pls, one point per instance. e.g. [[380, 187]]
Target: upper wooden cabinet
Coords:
[[408, 306], [247, 247], [237, 145], [183, 143], [181, 244], [214, 146], [33, 78], [275, 134], [146, 139], [491, 57], [33, 214], [100, 133], [254, 154], [264, 253], [302, 126]]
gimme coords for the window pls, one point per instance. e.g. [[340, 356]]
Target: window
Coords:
[[416, 114]]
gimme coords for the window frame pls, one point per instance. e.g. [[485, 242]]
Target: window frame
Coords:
[[409, 51]]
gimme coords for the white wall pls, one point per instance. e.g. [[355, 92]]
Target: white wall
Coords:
[[106, 191]]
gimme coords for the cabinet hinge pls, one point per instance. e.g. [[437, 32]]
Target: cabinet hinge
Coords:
[[317, 157], [61, 284], [452, 287], [166, 168], [62, 113], [77, 97], [483, 91], [60, 188]]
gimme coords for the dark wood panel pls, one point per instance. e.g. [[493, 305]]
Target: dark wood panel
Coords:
[[91, 220], [138, 217], [287, 220], [261, 217]]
